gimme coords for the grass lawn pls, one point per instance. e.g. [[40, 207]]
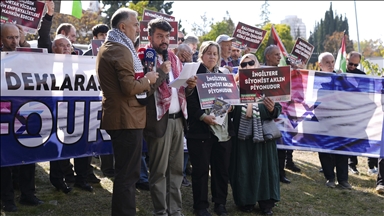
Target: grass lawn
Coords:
[[306, 195]]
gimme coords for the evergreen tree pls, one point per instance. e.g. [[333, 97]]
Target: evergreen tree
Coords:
[[264, 16], [323, 32]]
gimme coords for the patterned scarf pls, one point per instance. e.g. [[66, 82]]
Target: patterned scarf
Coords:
[[117, 36], [250, 115], [163, 93]]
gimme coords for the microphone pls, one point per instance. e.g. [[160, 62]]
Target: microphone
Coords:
[[141, 55], [165, 55], [165, 58], [150, 59]]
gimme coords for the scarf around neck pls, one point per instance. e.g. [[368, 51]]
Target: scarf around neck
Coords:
[[117, 36], [250, 123], [163, 93]]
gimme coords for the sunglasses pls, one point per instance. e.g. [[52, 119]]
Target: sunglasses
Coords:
[[181, 39], [351, 64], [250, 63]]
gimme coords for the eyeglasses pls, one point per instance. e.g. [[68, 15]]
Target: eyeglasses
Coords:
[[12, 37], [351, 64], [181, 39], [244, 64]]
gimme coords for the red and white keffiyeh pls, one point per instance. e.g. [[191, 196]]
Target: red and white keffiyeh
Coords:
[[163, 93]]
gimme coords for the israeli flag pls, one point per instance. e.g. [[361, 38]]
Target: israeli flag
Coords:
[[338, 113]]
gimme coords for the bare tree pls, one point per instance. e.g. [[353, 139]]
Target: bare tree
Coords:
[[200, 29]]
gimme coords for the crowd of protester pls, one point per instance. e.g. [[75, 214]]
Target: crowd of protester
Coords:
[[152, 137]]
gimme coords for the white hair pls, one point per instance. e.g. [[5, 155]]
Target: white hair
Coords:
[[58, 37], [322, 55]]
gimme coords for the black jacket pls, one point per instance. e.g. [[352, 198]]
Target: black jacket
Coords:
[[44, 40], [199, 129], [356, 71]]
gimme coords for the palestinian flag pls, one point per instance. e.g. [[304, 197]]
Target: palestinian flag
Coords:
[[275, 39], [341, 61], [73, 8]]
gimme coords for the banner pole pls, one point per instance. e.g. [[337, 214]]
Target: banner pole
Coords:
[[357, 30]]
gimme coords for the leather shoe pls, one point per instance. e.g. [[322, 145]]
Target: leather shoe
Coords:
[[31, 201], [9, 207], [284, 180], [84, 186], [61, 186]]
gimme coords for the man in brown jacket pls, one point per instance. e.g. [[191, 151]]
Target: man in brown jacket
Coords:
[[122, 80]]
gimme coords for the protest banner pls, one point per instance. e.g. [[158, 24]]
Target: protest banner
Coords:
[[212, 86], [149, 15], [50, 108], [25, 13], [301, 52], [96, 44], [334, 113], [249, 36], [172, 35], [273, 82]]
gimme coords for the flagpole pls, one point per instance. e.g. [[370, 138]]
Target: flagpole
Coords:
[[357, 29]]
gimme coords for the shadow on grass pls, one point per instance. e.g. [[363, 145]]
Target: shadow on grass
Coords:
[[306, 195]]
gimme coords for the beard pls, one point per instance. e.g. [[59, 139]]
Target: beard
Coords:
[[159, 49]]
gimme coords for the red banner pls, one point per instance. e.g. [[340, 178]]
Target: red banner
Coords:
[[96, 44], [301, 52], [273, 82], [24, 13], [149, 15], [249, 36]]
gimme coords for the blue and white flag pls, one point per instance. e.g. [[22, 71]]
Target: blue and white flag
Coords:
[[338, 113]]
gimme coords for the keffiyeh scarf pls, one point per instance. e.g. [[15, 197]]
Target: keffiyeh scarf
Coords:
[[163, 93], [117, 36]]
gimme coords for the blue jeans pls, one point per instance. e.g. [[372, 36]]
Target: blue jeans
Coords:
[[143, 169], [186, 156]]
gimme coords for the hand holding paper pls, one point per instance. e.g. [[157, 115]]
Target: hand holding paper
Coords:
[[191, 82], [189, 70]]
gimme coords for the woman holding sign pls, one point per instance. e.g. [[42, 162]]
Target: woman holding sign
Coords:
[[209, 143], [254, 168]]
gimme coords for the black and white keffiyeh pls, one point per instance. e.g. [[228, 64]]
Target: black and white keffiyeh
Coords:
[[117, 36]]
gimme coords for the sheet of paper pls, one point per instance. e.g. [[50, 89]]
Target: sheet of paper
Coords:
[[189, 70]]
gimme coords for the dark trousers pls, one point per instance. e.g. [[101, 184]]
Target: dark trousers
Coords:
[[59, 169], [330, 161], [127, 147], [352, 161], [107, 163], [289, 157], [380, 174], [285, 158], [372, 162], [203, 153], [26, 182]]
